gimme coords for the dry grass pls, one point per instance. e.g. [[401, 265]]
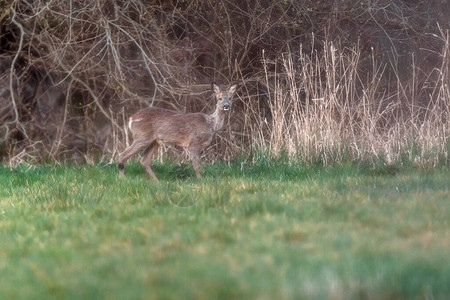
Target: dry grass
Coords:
[[71, 74], [323, 110]]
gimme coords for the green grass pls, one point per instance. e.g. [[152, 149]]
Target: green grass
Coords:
[[268, 230]]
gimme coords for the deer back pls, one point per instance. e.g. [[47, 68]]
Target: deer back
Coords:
[[167, 126]]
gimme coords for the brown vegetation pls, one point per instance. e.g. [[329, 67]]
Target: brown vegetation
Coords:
[[319, 80]]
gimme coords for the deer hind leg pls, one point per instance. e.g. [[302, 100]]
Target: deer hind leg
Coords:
[[195, 158], [147, 157], [130, 151]]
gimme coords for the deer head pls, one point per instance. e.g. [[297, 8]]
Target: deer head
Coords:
[[223, 98]]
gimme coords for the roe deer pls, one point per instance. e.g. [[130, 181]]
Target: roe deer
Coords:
[[153, 126]]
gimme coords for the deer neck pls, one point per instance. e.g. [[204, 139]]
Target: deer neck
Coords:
[[217, 118]]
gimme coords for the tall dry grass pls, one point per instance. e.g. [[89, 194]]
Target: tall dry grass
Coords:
[[322, 109]]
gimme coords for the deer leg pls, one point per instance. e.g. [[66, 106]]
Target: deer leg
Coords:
[[127, 153], [147, 157], [195, 158]]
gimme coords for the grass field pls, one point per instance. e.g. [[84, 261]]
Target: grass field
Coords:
[[267, 230]]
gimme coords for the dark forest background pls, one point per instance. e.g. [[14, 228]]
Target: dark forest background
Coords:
[[71, 72]]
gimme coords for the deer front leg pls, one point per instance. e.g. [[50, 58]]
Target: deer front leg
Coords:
[[195, 158]]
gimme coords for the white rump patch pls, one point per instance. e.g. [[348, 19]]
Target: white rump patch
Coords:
[[132, 120]]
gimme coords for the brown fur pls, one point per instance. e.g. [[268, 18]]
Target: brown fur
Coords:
[[194, 131]]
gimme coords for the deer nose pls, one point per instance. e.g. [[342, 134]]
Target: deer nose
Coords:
[[226, 106]]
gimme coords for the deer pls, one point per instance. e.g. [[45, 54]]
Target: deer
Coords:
[[152, 126]]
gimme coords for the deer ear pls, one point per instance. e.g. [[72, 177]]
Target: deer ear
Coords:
[[232, 89], [215, 88]]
